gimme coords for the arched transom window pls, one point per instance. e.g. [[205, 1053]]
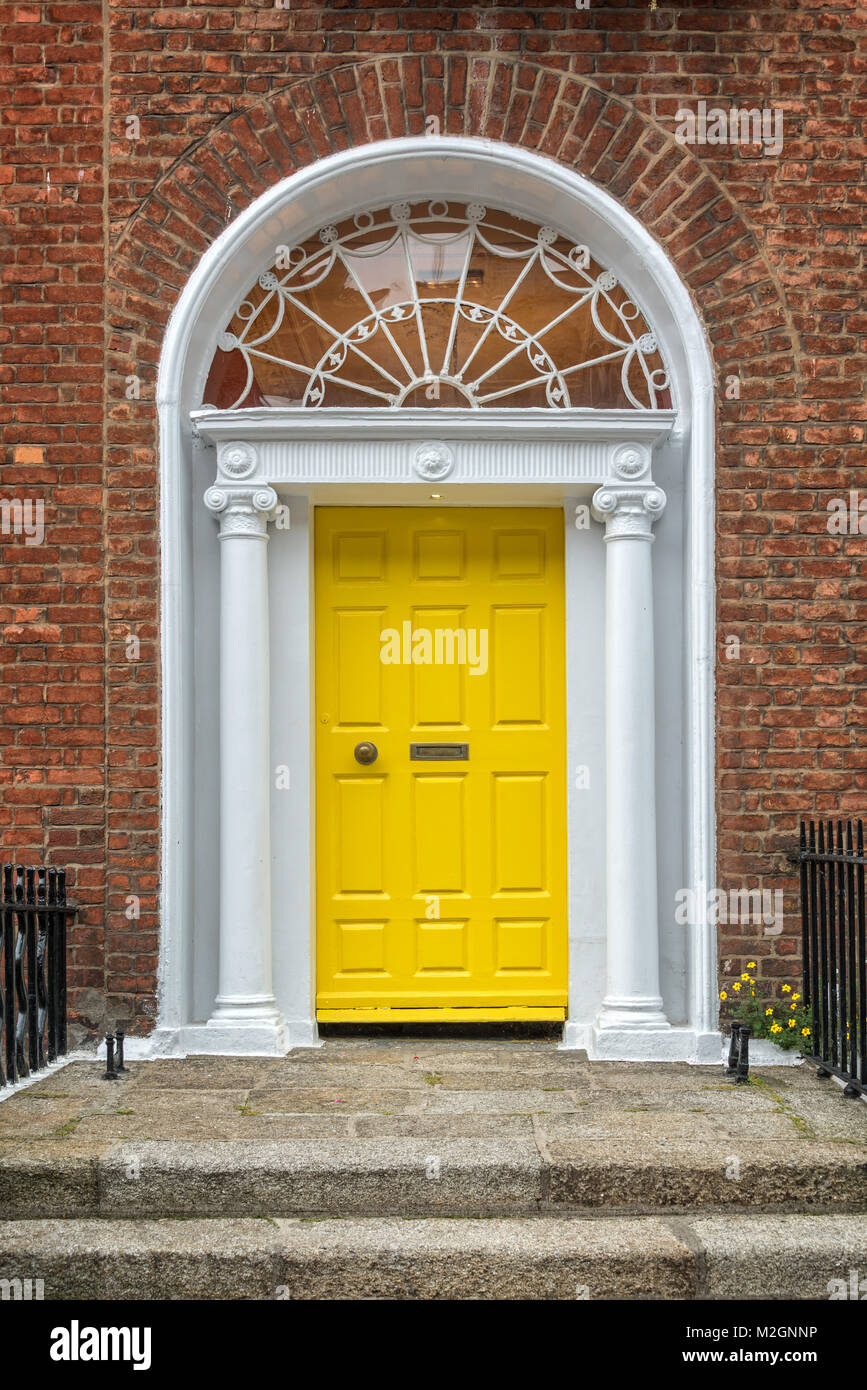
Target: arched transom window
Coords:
[[438, 304]]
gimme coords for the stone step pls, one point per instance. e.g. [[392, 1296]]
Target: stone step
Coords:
[[425, 1178], [721, 1257]]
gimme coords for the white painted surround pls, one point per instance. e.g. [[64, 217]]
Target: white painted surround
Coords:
[[237, 958]]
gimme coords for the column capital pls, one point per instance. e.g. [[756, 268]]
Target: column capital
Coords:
[[243, 511], [628, 509]]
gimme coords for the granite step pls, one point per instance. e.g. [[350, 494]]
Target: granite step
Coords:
[[434, 1176], [722, 1257]]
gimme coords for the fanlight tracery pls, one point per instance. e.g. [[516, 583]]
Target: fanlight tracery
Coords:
[[438, 304]]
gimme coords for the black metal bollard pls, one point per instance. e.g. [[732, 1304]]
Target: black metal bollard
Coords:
[[731, 1068], [119, 1037], [743, 1069], [110, 1073]]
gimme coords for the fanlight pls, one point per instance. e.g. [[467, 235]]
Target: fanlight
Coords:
[[438, 304]]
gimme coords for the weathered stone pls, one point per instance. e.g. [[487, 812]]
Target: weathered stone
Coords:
[[542, 1258], [783, 1256], [438, 1127], [323, 1075], [198, 1073], [619, 1175], [358, 1259], [293, 1177], [499, 1102], [337, 1099], [26, 1114], [593, 1123], [228, 1259], [46, 1178], [328, 1133], [168, 1115], [830, 1114], [549, 1080]]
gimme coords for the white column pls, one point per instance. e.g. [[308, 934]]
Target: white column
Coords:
[[245, 1017], [633, 1002]]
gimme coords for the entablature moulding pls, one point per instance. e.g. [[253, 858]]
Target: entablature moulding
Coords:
[[295, 448]]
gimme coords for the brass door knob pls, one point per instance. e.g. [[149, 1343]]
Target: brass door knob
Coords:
[[366, 752]]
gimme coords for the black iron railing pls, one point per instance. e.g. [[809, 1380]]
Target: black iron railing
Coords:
[[34, 912], [834, 950]]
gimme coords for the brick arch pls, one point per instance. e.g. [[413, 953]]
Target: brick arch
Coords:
[[599, 135]]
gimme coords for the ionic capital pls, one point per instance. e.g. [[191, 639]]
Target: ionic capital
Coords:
[[243, 512], [628, 509]]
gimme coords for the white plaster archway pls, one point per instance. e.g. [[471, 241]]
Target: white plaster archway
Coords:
[[457, 168]]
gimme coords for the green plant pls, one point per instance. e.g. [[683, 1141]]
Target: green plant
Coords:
[[785, 1021]]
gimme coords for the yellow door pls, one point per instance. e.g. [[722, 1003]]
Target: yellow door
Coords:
[[441, 865]]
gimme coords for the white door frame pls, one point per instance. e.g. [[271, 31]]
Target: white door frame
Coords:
[[574, 451]]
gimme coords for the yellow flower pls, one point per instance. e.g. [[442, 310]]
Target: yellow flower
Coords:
[[793, 1006], [722, 994], [736, 986], [795, 997], [745, 976], [791, 1023], [805, 1032], [768, 1013], [787, 989], [751, 965], [776, 1028]]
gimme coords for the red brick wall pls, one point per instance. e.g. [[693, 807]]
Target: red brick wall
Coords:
[[228, 98], [52, 618]]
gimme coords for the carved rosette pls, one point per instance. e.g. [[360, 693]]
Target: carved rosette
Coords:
[[237, 460], [628, 510], [243, 512], [433, 461], [630, 461]]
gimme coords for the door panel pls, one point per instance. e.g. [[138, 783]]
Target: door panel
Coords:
[[439, 834], [361, 853], [519, 834], [441, 885], [358, 668], [437, 690], [518, 666]]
